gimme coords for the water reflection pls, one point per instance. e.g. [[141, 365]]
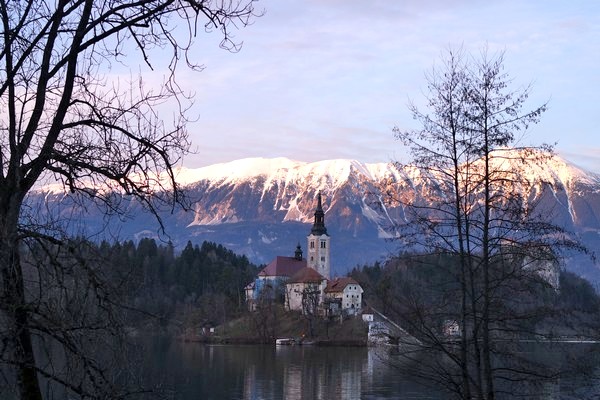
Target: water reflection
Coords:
[[327, 374], [195, 371]]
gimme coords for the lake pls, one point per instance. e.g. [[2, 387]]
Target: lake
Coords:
[[193, 371]]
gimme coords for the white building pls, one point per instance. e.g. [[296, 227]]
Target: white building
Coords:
[[304, 291], [343, 295]]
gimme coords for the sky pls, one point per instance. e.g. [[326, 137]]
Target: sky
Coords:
[[325, 79]]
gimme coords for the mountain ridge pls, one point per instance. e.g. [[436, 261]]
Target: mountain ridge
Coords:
[[284, 175], [262, 207]]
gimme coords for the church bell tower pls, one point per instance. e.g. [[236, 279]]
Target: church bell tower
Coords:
[[318, 243]]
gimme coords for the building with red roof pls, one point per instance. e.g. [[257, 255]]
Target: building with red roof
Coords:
[[343, 295], [282, 266], [270, 282], [303, 284]]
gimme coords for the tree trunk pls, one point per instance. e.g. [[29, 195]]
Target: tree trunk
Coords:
[[15, 307], [485, 332], [29, 386], [464, 360]]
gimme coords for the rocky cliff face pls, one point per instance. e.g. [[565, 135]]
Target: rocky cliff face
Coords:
[[264, 207]]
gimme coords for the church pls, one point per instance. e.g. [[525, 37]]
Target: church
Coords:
[[305, 284]]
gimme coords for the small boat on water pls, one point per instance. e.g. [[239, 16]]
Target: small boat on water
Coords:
[[285, 341], [293, 341]]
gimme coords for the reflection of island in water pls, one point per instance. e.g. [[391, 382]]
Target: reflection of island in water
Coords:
[[312, 374], [308, 373], [322, 373], [195, 371], [270, 372]]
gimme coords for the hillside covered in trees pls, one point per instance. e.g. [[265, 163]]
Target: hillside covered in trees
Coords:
[[422, 293], [148, 282], [206, 280]]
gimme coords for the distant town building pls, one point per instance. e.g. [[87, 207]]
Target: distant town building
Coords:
[[451, 328], [368, 314]]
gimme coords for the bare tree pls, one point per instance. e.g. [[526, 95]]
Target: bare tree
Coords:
[[264, 317], [480, 212], [62, 116], [311, 300]]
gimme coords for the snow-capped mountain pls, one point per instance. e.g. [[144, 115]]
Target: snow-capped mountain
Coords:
[[264, 207], [281, 190]]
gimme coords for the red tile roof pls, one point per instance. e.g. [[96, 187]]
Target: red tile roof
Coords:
[[338, 284], [306, 275], [283, 267]]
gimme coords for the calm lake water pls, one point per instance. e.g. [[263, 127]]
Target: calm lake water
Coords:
[[196, 371]]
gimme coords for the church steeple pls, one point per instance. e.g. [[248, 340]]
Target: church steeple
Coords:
[[318, 243], [298, 253], [318, 228]]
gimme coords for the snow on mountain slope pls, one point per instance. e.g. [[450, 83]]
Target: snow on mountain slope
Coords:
[[331, 172], [280, 189], [575, 191], [279, 185], [263, 207], [536, 166]]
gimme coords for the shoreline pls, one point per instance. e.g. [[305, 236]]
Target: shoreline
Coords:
[[326, 342], [271, 341]]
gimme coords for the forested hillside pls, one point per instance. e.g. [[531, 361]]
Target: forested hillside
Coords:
[[148, 283], [422, 293], [208, 279]]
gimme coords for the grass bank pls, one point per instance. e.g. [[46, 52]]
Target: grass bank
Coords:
[[267, 326]]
